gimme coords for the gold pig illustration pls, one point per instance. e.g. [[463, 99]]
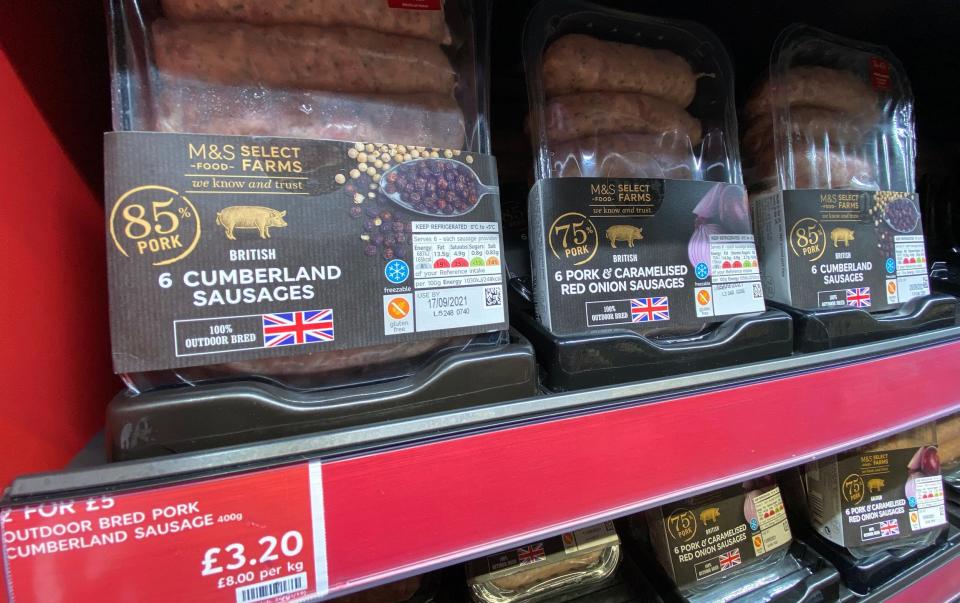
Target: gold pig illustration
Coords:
[[875, 485], [624, 232], [841, 234], [709, 515], [250, 216]]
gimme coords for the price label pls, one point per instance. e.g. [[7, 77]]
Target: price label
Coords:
[[256, 537]]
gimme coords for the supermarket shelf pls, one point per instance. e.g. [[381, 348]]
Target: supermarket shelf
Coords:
[[381, 437], [408, 497]]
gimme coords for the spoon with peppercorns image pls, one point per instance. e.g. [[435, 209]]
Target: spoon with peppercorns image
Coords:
[[901, 215], [434, 187]]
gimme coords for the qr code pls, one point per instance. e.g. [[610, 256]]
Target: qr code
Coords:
[[493, 296], [757, 291]]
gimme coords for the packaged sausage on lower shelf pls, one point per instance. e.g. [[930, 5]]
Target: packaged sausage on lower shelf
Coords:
[[723, 544], [882, 496], [638, 220], [830, 143], [553, 569], [302, 215]]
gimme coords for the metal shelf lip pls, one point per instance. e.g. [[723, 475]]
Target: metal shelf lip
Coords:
[[129, 474]]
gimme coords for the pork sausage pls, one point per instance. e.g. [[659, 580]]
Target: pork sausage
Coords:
[[814, 86], [367, 14], [529, 578], [810, 124], [415, 119], [819, 169], [623, 156], [581, 63], [597, 113], [340, 59]]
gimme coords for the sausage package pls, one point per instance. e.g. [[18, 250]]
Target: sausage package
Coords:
[[881, 496], [948, 448], [829, 141], [639, 218], [299, 192], [570, 564], [723, 542]]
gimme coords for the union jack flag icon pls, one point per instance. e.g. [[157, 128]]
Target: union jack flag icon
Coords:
[[647, 309], [889, 528], [728, 560], [297, 328], [531, 554], [859, 297]]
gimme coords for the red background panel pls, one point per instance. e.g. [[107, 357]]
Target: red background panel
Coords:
[[55, 358], [388, 513]]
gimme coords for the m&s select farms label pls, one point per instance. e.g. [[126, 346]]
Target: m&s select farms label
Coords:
[[718, 533], [841, 248], [226, 248], [641, 254]]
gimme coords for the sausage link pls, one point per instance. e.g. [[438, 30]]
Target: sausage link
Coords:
[[295, 56], [367, 14], [833, 169], [807, 124], [421, 119], [623, 156], [580, 63], [597, 113], [814, 86]]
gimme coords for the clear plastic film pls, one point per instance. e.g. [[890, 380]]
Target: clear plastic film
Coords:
[[348, 70], [833, 113], [353, 70], [615, 94]]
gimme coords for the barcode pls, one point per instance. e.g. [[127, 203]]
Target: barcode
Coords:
[[272, 588], [493, 296], [757, 291]]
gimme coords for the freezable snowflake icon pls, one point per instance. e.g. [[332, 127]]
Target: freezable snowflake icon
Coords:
[[396, 271]]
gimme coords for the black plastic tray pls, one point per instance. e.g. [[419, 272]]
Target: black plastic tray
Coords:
[[190, 418], [578, 362], [945, 278], [814, 580], [819, 330], [907, 574], [863, 576]]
